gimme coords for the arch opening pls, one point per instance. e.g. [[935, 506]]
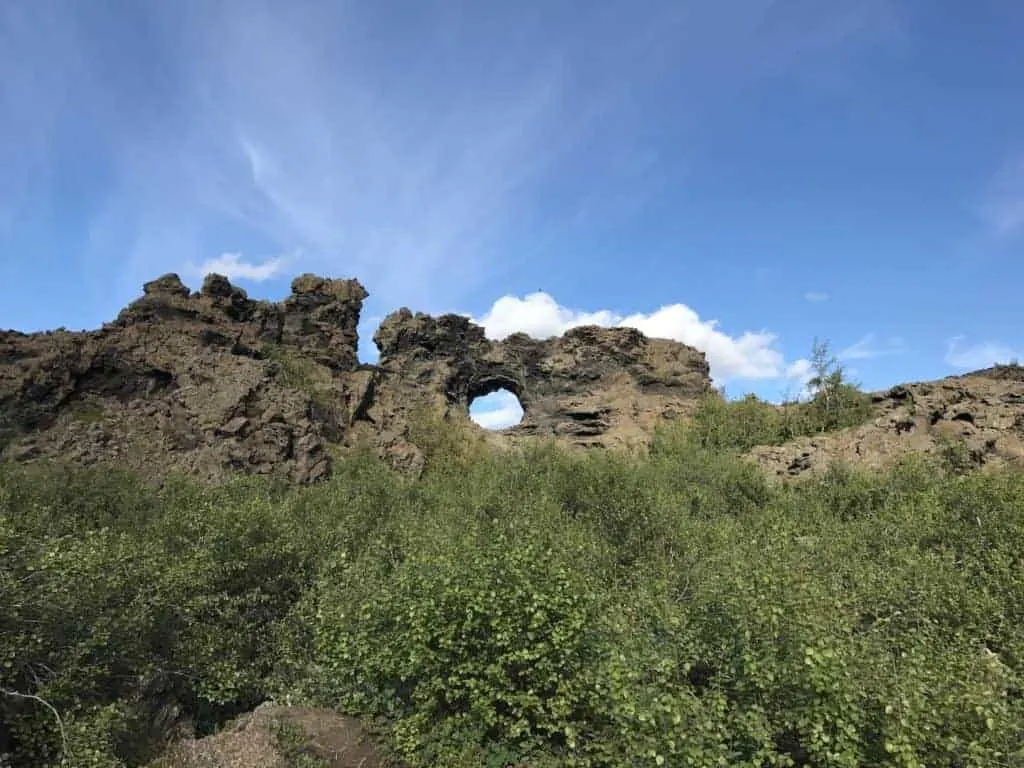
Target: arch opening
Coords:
[[499, 409]]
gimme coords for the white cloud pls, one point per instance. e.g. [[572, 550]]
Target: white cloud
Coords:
[[868, 347], [976, 356], [816, 297], [537, 315], [800, 370], [751, 355], [497, 410], [233, 267]]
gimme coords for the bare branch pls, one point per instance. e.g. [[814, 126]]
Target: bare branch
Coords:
[[65, 754]]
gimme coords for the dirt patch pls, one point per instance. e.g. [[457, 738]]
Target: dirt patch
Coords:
[[275, 736]]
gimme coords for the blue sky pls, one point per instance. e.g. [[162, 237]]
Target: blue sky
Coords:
[[742, 175]]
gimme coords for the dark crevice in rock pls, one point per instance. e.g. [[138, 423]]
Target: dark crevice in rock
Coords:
[[904, 426]]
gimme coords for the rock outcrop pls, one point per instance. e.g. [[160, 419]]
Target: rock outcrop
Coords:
[[593, 386], [211, 382], [979, 415], [199, 383]]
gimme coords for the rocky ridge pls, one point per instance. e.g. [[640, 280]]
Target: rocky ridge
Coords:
[[212, 382], [980, 416]]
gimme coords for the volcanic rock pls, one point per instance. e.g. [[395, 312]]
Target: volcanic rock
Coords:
[[212, 382], [980, 415]]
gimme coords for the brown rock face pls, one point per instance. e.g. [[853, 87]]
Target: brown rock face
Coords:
[[199, 383], [983, 411], [212, 382], [592, 386]]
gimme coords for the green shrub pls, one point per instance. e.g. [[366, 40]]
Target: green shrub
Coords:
[[538, 606], [476, 636], [301, 372], [722, 426], [132, 613], [293, 743]]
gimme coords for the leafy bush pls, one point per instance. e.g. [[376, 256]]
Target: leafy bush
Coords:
[[136, 614], [480, 636], [541, 606], [720, 425]]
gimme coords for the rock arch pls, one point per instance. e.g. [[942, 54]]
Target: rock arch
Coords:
[[262, 387]]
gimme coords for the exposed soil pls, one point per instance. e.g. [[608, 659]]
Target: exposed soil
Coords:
[[252, 741]]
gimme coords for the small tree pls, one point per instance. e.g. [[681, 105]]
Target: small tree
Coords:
[[828, 372], [838, 401]]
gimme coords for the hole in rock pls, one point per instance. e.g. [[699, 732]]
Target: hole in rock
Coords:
[[498, 410]]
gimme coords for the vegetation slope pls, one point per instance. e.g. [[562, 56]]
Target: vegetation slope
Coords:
[[541, 608]]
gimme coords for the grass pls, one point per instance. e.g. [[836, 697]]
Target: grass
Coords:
[[298, 371], [293, 744], [87, 412]]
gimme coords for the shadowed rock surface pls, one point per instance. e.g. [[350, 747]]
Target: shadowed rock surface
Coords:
[[980, 413], [211, 382]]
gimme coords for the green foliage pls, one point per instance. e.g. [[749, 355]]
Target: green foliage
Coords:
[[955, 454], [300, 372], [87, 413], [835, 402], [293, 743], [449, 446], [719, 425], [486, 630], [293, 368], [157, 597], [539, 607]]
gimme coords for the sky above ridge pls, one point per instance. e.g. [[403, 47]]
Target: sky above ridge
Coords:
[[742, 176]]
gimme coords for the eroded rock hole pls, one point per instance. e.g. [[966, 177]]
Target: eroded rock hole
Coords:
[[498, 410]]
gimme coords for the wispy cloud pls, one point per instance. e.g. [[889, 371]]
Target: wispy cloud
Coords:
[[286, 128], [979, 355], [816, 297], [1002, 207], [34, 98], [749, 355], [868, 346], [403, 148], [233, 267]]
